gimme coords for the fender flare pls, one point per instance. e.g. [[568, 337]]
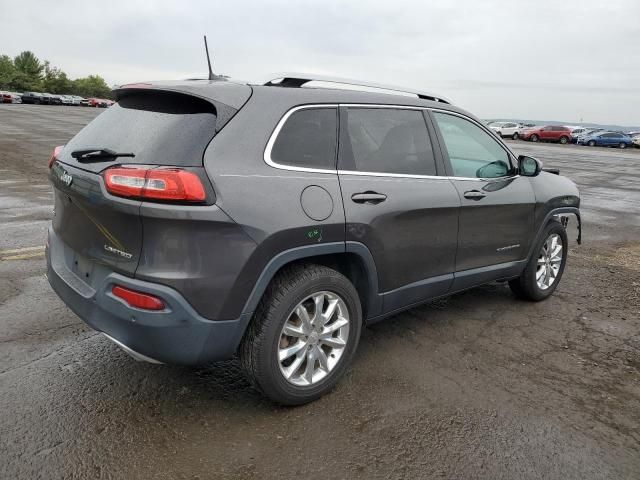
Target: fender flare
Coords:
[[374, 305], [553, 212]]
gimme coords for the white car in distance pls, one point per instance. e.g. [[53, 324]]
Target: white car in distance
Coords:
[[506, 129]]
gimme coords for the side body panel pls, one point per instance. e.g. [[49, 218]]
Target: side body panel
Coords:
[[498, 227], [265, 201]]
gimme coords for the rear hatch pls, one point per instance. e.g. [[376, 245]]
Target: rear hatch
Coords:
[[156, 128]]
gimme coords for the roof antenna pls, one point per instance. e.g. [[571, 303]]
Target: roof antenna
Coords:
[[212, 76]]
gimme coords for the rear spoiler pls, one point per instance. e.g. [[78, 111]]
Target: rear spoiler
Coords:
[[226, 97]]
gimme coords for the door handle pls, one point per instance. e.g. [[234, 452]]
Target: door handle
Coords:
[[474, 195], [372, 198]]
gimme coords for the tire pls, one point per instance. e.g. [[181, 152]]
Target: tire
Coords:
[[534, 138], [515, 136], [564, 140], [623, 145], [265, 341], [592, 143], [527, 285]]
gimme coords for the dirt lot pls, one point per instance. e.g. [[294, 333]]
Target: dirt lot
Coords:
[[476, 386]]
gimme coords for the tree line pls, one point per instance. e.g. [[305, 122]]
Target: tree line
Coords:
[[26, 73]]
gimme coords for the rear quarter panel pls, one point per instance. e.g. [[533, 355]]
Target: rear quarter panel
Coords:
[[264, 200]]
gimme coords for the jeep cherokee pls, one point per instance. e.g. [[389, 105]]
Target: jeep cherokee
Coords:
[[197, 220]]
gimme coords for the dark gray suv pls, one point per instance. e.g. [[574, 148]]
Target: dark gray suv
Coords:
[[197, 220]]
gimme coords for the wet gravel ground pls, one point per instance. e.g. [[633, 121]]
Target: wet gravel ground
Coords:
[[479, 385]]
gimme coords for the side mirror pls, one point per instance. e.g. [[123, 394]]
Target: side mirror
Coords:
[[529, 166]]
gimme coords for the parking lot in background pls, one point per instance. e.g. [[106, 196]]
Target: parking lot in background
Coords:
[[478, 384]]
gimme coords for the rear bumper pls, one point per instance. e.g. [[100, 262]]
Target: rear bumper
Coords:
[[176, 335]]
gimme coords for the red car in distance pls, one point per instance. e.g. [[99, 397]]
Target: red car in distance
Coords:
[[100, 102], [548, 133]]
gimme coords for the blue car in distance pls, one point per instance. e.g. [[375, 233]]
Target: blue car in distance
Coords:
[[606, 139]]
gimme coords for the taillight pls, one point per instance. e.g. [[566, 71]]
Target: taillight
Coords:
[[171, 184], [138, 299], [54, 155]]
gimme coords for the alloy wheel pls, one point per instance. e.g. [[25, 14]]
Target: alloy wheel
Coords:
[[313, 338], [549, 261]]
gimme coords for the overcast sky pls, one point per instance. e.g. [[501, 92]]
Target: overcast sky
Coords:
[[549, 60]]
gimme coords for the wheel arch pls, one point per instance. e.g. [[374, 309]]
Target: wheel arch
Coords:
[[352, 259], [551, 216]]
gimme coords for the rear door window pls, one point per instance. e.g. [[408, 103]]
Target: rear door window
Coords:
[[158, 128], [387, 140], [308, 139], [473, 153]]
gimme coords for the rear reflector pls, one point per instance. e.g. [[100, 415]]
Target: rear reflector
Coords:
[[171, 184], [138, 299], [54, 155]]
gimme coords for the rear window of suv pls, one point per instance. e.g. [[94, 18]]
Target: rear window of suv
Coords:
[[308, 139], [160, 128]]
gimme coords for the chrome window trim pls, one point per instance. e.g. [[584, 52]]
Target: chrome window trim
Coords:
[[276, 132], [285, 117], [390, 175]]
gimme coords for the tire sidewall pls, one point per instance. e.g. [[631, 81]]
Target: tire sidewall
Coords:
[[278, 386]]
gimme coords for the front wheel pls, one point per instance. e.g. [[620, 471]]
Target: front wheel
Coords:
[[592, 143], [623, 145], [564, 140], [534, 138], [303, 335], [515, 136], [544, 270]]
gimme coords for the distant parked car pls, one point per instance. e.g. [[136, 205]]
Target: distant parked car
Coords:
[[636, 141], [506, 129], [94, 102], [17, 97], [77, 100], [584, 133], [578, 131], [54, 99], [84, 102], [549, 133], [32, 97], [606, 139], [6, 97], [45, 98], [66, 99]]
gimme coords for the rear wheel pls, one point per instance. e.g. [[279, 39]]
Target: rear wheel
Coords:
[[623, 145], [303, 335], [592, 143], [515, 136], [534, 138], [564, 140], [544, 270]]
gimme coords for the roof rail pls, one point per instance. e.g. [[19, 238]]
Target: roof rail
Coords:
[[293, 79]]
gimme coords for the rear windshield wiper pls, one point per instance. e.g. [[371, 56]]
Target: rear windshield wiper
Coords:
[[98, 154]]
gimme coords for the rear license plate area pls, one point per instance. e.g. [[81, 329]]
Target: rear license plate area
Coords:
[[82, 267]]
